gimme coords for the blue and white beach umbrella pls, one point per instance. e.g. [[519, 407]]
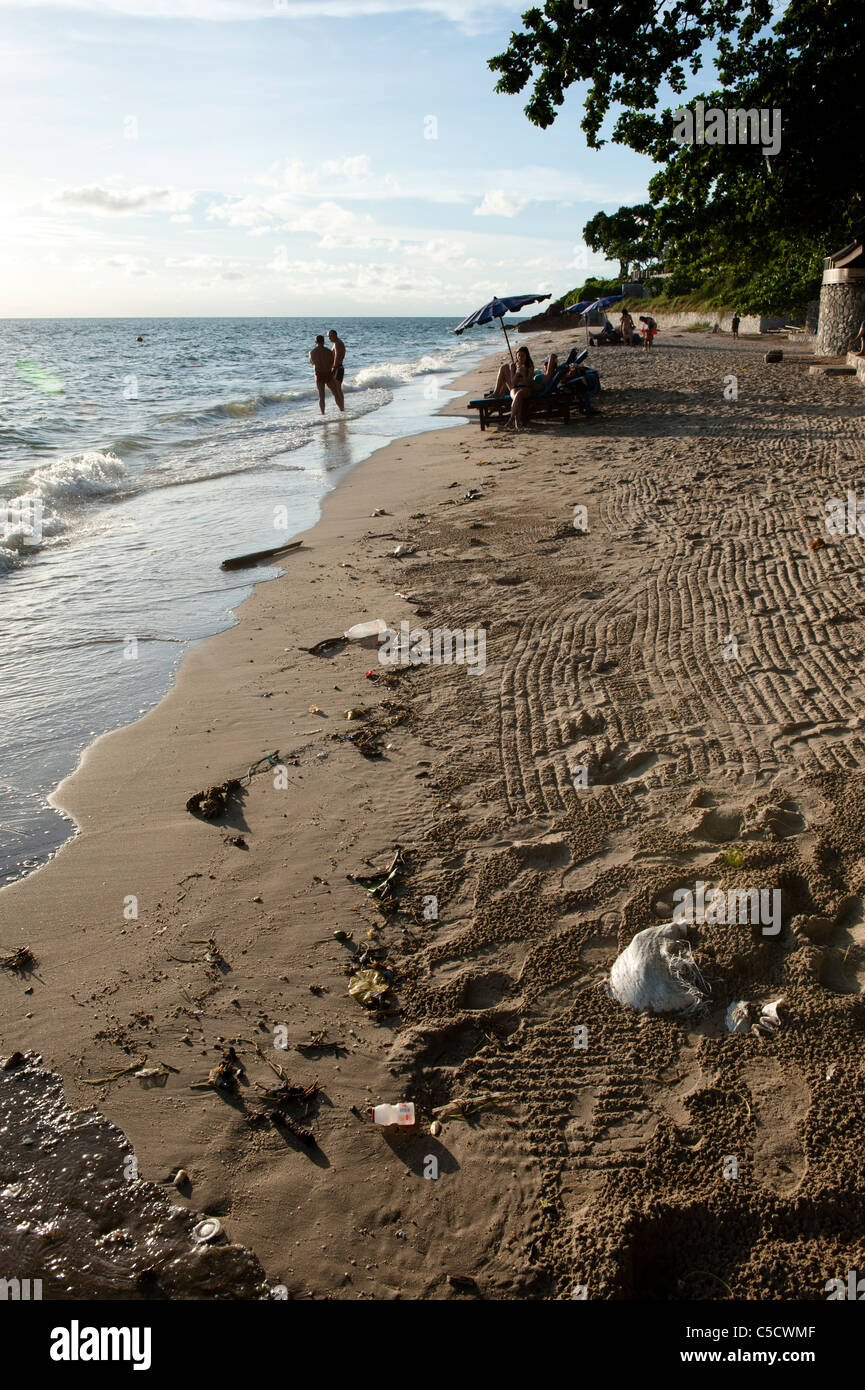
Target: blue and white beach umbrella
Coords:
[[497, 308]]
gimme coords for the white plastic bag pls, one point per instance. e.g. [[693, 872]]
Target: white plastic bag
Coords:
[[656, 972]]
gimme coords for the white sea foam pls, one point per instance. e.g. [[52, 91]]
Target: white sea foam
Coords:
[[78, 478]]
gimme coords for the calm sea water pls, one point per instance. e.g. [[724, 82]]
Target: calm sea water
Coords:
[[143, 465]]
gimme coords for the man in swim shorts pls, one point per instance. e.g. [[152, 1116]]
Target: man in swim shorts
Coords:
[[338, 357], [322, 360]]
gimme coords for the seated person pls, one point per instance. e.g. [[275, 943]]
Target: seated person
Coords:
[[523, 385], [857, 344]]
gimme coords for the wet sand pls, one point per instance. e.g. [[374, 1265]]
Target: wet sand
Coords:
[[604, 1165]]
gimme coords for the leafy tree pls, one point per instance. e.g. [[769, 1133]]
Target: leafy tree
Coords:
[[763, 221], [623, 236]]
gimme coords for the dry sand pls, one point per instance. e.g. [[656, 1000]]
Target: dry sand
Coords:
[[608, 1165]]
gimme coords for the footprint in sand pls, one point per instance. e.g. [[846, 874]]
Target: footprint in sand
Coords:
[[780, 1100]]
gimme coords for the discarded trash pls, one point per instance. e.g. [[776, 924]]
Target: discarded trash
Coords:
[[657, 973], [207, 1230], [400, 1114], [327, 644], [467, 1105], [368, 986], [314, 709], [341, 935], [379, 511], [359, 631], [404, 549], [225, 1076], [211, 804], [148, 1073], [21, 959], [763, 1020]]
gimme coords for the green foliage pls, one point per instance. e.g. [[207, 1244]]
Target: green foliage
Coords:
[[592, 289], [624, 236], [722, 213]]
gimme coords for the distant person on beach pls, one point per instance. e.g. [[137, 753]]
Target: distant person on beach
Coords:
[[648, 331], [321, 358], [734, 326], [627, 328], [338, 362]]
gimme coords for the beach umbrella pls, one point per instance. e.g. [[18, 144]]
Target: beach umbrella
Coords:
[[588, 306], [497, 308]]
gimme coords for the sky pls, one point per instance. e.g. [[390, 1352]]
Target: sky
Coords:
[[284, 157]]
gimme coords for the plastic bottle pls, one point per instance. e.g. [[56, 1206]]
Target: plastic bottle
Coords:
[[400, 1114], [364, 630]]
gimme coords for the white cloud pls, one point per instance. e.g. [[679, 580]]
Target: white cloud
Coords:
[[333, 226], [467, 13], [130, 265], [347, 177], [108, 202], [498, 203]]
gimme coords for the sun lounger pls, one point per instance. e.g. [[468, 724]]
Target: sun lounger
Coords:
[[549, 402]]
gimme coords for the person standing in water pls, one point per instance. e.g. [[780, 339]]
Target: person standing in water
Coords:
[[322, 360], [338, 364]]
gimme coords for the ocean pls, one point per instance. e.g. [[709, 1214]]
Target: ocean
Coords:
[[128, 471]]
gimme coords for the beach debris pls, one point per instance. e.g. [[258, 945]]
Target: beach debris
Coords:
[[225, 1076], [400, 1114], [148, 1073], [212, 803], [763, 1020], [207, 1231], [327, 644], [21, 960], [435, 1128], [319, 1042], [656, 972], [472, 495], [112, 1076], [361, 632], [368, 986], [379, 511], [14, 1060], [314, 709], [381, 885], [340, 935], [463, 1281], [181, 1179], [464, 1106], [356, 712], [817, 543], [239, 562], [403, 549]]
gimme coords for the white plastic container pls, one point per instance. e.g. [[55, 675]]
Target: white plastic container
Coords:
[[400, 1114], [366, 630]]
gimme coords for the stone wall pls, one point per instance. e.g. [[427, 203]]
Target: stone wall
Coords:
[[842, 309]]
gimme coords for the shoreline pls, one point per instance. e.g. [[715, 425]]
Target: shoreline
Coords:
[[592, 1167], [123, 691]]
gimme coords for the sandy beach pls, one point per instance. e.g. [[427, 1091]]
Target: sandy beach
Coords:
[[595, 1160]]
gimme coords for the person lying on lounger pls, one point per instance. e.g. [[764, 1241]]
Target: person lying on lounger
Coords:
[[523, 385]]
